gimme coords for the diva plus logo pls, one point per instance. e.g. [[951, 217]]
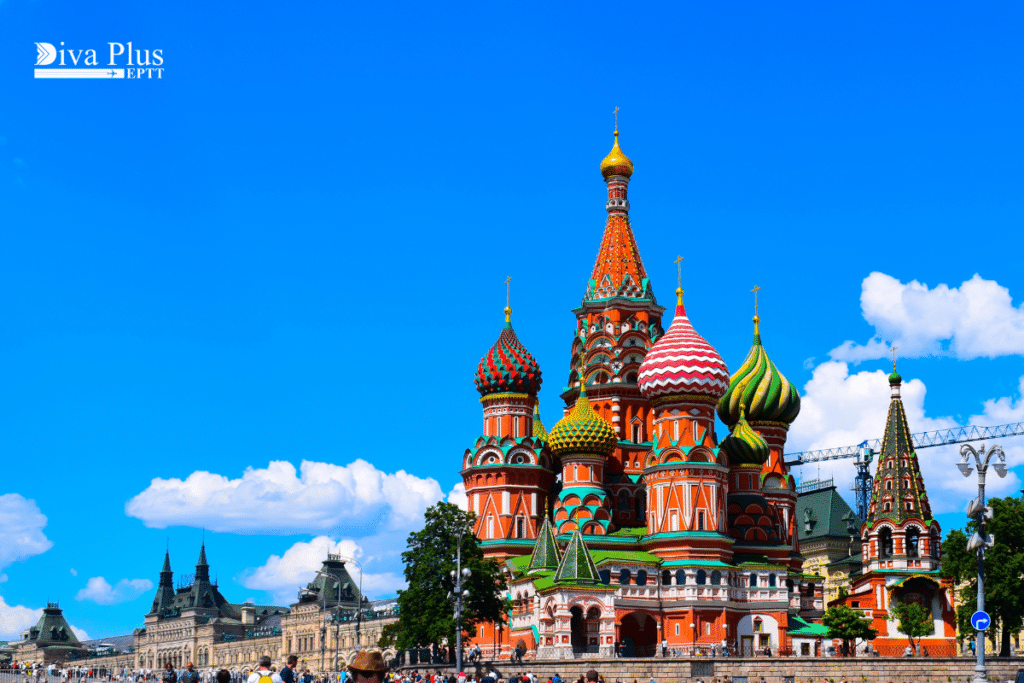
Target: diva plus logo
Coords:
[[117, 60]]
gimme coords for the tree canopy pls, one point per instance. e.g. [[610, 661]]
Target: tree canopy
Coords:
[[1004, 567], [914, 620], [426, 613], [847, 624]]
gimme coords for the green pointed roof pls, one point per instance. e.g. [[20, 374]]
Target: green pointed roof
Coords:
[[202, 555], [577, 566], [759, 388], [539, 433], [897, 446], [167, 562], [545, 551]]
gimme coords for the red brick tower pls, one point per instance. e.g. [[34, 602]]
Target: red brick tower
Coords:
[[508, 471], [616, 324]]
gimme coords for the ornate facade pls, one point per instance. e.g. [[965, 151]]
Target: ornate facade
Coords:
[[901, 544], [632, 523]]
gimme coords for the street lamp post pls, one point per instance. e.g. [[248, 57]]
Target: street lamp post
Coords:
[[980, 540], [459, 575], [337, 614]]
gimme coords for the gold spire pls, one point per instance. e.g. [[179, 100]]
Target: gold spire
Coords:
[[616, 163], [757, 318], [679, 278], [508, 306]]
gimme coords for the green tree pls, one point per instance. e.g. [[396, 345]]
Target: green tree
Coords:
[[848, 625], [915, 621], [426, 613], [1004, 567]]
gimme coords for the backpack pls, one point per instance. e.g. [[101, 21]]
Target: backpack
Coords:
[[265, 678]]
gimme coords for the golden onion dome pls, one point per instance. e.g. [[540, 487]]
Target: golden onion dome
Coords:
[[582, 431], [616, 163]]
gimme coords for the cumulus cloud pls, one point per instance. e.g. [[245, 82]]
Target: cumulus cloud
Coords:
[[843, 409], [457, 496], [74, 572], [98, 590], [15, 618], [21, 529], [355, 499], [975, 320], [79, 632], [283, 575]]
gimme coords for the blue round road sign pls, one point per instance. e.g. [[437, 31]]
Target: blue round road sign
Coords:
[[980, 621]]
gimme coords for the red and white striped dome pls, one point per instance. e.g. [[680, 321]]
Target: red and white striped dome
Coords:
[[682, 362]]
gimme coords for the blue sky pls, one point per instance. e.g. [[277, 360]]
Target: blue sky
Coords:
[[270, 274]]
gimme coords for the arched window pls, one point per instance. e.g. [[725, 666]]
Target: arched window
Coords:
[[935, 546], [681, 577], [789, 585], [702, 577], [753, 580], [887, 507], [641, 578], [624, 500], [624, 577], [904, 463], [888, 464], [716, 578], [810, 590], [913, 538], [888, 484], [885, 542], [640, 502], [909, 506], [666, 578], [606, 576], [637, 431], [771, 580]]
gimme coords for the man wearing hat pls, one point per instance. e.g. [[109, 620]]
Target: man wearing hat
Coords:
[[368, 667]]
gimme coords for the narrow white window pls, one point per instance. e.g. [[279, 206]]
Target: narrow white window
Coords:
[[516, 423], [506, 502], [490, 526]]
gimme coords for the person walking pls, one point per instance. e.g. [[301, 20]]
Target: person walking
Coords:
[[288, 672], [170, 675], [263, 674], [190, 675]]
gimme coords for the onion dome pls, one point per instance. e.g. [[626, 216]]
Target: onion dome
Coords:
[[508, 366], [682, 362], [582, 430], [744, 446], [539, 433], [616, 163], [759, 390], [895, 378]]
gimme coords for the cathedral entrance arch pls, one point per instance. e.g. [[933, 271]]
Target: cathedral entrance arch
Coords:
[[638, 635], [578, 629]]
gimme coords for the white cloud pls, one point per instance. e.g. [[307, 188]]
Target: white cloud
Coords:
[[74, 572], [283, 575], [975, 320], [15, 618], [79, 632], [355, 499], [840, 409], [457, 496], [102, 593], [21, 529]]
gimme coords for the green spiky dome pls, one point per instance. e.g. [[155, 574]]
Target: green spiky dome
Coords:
[[744, 446], [582, 431], [759, 389]]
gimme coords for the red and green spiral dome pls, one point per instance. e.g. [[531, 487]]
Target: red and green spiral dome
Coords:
[[508, 366]]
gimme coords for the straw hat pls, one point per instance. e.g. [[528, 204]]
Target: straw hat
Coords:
[[370, 662]]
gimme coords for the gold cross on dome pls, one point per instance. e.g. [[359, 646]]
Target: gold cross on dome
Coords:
[[507, 289], [616, 112], [679, 269], [893, 352], [754, 290]]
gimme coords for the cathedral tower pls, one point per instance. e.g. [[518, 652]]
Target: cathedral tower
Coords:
[[508, 471], [616, 324], [165, 589]]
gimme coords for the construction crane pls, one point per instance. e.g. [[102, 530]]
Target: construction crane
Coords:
[[864, 452]]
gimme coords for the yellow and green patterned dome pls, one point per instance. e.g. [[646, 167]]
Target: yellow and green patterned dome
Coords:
[[582, 431], [744, 446], [759, 389]]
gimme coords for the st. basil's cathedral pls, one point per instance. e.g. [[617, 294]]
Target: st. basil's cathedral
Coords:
[[632, 528]]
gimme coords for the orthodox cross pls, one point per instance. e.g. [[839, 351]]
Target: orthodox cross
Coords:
[[679, 269], [754, 290], [893, 351], [616, 112], [508, 289]]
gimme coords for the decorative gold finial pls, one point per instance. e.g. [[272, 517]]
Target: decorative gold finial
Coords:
[[757, 318], [508, 294], [679, 278], [893, 352], [616, 112]]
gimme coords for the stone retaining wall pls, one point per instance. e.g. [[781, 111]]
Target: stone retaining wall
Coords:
[[772, 669]]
